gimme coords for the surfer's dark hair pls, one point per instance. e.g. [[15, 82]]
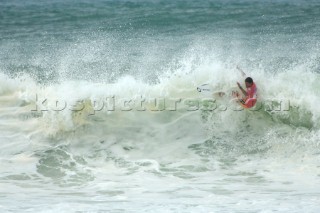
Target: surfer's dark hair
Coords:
[[249, 80]]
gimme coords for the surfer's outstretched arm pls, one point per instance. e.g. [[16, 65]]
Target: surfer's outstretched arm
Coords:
[[242, 73], [242, 90]]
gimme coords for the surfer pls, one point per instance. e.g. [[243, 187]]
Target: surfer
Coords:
[[249, 97]]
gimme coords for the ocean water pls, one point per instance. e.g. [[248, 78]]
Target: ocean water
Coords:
[[99, 110]]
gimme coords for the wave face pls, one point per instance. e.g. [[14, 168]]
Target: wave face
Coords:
[[99, 109]]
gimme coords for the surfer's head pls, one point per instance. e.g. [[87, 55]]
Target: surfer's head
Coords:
[[248, 82]]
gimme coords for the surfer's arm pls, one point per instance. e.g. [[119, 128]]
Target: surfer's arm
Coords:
[[242, 90], [242, 73]]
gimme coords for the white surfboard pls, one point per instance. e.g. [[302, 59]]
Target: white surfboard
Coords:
[[207, 90], [204, 88]]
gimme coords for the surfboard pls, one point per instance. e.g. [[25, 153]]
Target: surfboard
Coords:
[[204, 88], [207, 90]]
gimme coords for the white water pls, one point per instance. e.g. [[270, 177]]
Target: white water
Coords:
[[161, 161]]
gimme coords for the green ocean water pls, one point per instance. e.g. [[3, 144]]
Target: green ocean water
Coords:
[[36, 36]]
